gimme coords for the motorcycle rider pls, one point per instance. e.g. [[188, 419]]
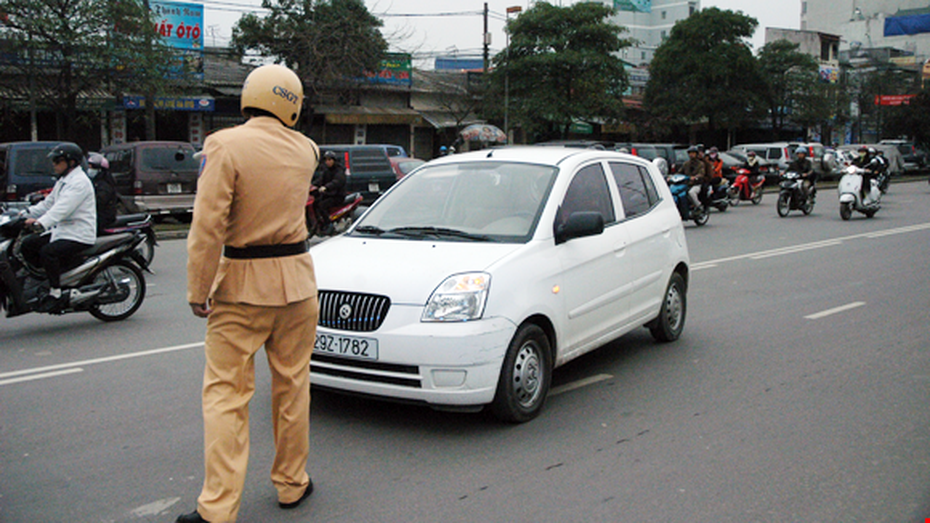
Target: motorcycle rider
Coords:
[[104, 191], [866, 161], [330, 185], [695, 170], [805, 168], [70, 212], [752, 164], [716, 164]]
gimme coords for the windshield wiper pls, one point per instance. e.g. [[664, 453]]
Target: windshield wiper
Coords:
[[420, 232], [369, 229]]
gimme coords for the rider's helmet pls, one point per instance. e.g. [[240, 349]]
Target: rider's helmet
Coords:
[[872, 151], [802, 151], [624, 150], [693, 149], [68, 152], [329, 155], [713, 152], [275, 89], [443, 149], [751, 154], [97, 161]]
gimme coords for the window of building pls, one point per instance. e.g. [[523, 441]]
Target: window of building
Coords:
[[664, 35], [663, 15], [692, 8]]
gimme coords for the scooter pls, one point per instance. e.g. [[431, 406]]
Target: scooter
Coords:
[[679, 185], [123, 223], [791, 195], [718, 196], [850, 194], [745, 188], [105, 280], [340, 218]]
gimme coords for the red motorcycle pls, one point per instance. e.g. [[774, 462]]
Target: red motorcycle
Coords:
[[340, 217], [746, 188]]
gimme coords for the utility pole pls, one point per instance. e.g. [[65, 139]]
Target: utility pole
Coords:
[[487, 38]]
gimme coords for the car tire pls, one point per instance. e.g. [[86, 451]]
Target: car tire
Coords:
[[525, 376], [670, 322]]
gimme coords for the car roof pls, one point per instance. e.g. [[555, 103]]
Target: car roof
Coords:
[[547, 155]]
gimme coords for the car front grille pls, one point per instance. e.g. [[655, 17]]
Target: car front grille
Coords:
[[362, 370], [352, 311]]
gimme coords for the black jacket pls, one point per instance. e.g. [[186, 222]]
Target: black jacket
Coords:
[[333, 178]]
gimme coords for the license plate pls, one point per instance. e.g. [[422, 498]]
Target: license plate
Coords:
[[348, 346], [174, 188], [373, 187]]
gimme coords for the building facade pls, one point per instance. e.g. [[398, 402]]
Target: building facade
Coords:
[[870, 24], [649, 22]]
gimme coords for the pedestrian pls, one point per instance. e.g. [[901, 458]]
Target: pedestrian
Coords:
[[249, 273], [70, 212]]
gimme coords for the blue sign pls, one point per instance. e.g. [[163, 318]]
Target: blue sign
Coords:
[[181, 25], [182, 103], [637, 6]]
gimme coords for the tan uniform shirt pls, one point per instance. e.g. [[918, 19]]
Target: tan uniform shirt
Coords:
[[252, 191]]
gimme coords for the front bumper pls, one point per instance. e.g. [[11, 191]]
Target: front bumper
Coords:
[[453, 364]]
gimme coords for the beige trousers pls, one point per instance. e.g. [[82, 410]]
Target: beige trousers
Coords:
[[235, 332]]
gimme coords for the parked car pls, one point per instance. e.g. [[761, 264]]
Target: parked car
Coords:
[[473, 277], [25, 168], [393, 151], [911, 158], [403, 165], [368, 169], [159, 177]]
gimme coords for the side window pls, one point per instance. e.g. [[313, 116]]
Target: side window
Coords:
[[633, 192], [120, 162], [774, 153], [651, 190], [588, 192]]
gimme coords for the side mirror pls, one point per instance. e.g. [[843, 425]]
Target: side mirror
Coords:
[[579, 225], [662, 164]]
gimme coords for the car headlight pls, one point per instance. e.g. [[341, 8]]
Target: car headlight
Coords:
[[460, 297]]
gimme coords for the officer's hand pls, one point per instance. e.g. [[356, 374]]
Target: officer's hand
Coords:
[[201, 310], [33, 225]]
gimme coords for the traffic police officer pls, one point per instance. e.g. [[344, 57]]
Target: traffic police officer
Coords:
[[249, 273]]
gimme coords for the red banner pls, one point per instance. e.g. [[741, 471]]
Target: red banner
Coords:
[[893, 99]]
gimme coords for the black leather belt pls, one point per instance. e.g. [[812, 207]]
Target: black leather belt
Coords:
[[264, 251]]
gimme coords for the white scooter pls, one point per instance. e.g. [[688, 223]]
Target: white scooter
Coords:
[[850, 196]]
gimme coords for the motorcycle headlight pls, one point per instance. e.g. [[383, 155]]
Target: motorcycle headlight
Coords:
[[461, 297]]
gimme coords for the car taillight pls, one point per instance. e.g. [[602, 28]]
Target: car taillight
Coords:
[[137, 187], [348, 168], [635, 152], [10, 192]]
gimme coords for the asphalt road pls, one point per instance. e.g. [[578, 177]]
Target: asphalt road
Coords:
[[798, 392]]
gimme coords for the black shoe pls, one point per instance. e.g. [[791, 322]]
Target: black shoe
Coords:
[[52, 304], [193, 517], [295, 504]]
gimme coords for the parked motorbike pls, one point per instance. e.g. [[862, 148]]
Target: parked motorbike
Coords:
[[105, 280], [679, 184], [851, 200], [340, 218], [791, 195], [745, 188]]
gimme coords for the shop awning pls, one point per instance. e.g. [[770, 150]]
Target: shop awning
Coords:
[[356, 115], [445, 120]]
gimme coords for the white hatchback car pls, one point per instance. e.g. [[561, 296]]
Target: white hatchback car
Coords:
[[473, 277]]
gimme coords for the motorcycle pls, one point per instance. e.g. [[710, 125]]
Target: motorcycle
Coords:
[[340, 217], [105, 280], [850, 194], [718, 197], [791, 196], [124, 223], [745, 188], [679, 185]]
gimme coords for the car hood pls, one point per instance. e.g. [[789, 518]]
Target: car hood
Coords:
[[407, 271]]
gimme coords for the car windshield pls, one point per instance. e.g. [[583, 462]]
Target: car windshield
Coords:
[[473, 201], [169, 159]]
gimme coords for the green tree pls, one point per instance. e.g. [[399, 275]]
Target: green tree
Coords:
[[789, 76], [705, 72], [561, 66], [62, 51], [330, 44], [912, 120]]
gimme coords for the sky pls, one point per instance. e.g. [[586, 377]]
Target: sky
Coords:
[[440, 27]]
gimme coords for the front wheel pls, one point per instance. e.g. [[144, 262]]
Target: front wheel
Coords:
[[700, 216], [784, 204], [525, 376], [671, 320], [846, 210], [733, 195], [122, 294]]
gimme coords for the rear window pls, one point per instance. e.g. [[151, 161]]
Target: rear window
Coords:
[[32, 162], [168, 159]]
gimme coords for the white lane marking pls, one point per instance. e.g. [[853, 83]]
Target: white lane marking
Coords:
[[155, 508], [835, 310], [809, 246], [41, 376], [101, 360], [579, 384]]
